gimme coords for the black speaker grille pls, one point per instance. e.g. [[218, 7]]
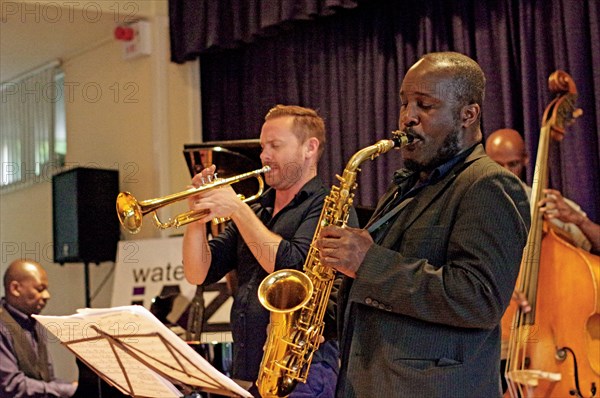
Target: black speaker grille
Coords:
[[85, 224]]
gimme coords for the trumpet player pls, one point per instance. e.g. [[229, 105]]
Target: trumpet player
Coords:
[[271, 234], [427, 282]]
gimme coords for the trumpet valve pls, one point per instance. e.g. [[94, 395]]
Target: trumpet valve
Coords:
[[220, 220]]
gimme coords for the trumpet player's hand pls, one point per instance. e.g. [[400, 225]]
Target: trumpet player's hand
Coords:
[[343, 248], [220, 202], [204, 176], [197, 181]]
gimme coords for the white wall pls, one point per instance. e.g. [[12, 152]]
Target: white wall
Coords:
[[148, 109]]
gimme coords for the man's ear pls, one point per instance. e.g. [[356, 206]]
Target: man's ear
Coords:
[[312, 146], [469, 114], [14, 288]]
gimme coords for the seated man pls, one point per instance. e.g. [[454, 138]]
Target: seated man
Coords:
[[25, 367]]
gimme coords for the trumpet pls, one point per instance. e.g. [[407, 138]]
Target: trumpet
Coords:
[[131, 211]]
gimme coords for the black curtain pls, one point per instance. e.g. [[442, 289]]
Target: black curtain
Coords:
[[198, 26], [349, 66]]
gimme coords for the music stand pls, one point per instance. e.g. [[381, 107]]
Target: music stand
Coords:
[[133, 351]]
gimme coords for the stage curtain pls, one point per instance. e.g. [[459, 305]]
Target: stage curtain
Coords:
[[349, 66], [203, 25]]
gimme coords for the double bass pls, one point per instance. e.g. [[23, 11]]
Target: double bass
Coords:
[[554, 350]]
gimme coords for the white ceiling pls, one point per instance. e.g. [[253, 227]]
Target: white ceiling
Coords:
[[33, 33]]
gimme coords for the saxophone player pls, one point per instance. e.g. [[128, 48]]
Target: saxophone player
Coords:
[[426, 283], [273, 233]]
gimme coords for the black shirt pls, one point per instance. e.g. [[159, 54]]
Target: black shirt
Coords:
[[296, 224]]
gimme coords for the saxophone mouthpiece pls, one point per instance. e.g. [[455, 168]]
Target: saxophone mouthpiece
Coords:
[[402, 138]]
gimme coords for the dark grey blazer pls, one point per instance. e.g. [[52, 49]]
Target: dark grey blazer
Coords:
[[422, 317]]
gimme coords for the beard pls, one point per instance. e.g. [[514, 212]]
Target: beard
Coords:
[[449, 148]]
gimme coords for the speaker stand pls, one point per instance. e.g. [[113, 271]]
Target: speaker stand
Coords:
[[88, 299]]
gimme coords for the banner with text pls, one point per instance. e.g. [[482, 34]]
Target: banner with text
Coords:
[[151, 268]]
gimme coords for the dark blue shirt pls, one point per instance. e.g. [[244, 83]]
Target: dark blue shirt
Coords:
[[408, 185], [296, 224]]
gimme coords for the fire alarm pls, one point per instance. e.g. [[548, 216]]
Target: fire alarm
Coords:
[[136, 39], [124, 33]]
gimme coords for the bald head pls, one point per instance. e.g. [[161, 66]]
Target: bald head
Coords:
[[468, 79], [26, 286], [507, 148]]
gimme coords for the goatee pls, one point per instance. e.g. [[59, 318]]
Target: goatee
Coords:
[[450, 147]]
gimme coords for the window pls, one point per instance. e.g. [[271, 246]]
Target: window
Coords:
[[33, 125], [60, 122]]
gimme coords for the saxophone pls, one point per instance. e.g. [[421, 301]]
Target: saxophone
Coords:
[[298, 300]]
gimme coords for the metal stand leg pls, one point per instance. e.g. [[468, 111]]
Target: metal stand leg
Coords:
[[88, 298]]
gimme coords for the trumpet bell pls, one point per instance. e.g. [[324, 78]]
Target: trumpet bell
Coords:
[[129, 212]]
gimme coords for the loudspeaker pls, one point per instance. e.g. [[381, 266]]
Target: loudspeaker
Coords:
[[85, 223]]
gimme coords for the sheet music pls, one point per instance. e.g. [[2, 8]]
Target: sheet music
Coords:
[[137, 379], [126, 343]]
